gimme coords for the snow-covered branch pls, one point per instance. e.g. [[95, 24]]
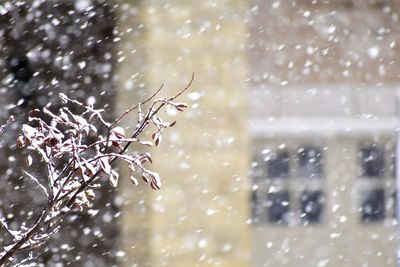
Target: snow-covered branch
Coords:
[[75, 155]]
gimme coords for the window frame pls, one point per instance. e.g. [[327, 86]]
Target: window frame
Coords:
[[387, 182], [295, 184]]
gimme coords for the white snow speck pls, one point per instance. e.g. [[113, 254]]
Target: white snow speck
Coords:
[[82, 5], [202, 243], [194, 96], [331, 29], [276, 4], [54, 81], [91, 100], [373, 51], [3, 11], [82, 64], [120, 253], [55, 22], [322, 263]]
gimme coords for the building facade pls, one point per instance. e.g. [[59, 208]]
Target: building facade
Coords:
[[301, 94], [323, 120]]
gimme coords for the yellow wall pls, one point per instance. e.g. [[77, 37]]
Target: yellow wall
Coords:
[[199, 218]]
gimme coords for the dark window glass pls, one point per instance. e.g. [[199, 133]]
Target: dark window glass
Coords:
[[373, 205], [278, 207], [312, 206], [278, 165], [372, 161], [310, 162]]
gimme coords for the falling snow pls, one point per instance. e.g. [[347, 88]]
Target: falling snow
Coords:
[[285, 157]]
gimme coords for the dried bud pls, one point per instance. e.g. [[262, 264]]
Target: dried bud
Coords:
[[105, 165], [114, 176], [21, 141], [34, 112], [119, 132], [145, 178], [52, 141], [90, 194], [134, 180], [180, 106]]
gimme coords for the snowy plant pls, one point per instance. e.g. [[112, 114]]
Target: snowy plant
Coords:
[[75, 156]]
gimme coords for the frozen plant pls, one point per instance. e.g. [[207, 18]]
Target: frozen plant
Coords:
[[75, 156]]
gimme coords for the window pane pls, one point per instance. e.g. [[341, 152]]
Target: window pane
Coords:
[[310, 162], [373, 205], [278, 207], [278, 164], [372, 161], [312, 206]]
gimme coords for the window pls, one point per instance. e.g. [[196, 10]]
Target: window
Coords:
[[278, 207], [312, 206], [377, 169], [372, 161], [373, 205], [278, 164], [310, 165], [288, 189]]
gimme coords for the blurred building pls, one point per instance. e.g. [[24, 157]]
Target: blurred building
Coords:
[[323, 81], [286, 156], [302, 93]]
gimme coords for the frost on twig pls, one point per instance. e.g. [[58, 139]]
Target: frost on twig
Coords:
[[75, 156], [5, 125]]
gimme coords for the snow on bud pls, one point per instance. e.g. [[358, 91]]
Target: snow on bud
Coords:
[[155, 180], [131, 167], [82, 122], [90, 194], [90, 168], [29, 160], [114, 176], [146, 143], [105, 165], [156, 138], [63, 97], [21, 141], [145, 178], [64, 116], [134, 180], [119, 132]]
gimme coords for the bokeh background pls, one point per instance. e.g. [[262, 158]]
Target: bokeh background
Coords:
[[286, 156]]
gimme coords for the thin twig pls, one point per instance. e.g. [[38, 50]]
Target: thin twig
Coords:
[[33, 178], [184, 89], [5, 125], [137, 105]]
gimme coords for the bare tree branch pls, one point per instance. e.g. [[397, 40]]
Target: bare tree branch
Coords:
[[74, 162]]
